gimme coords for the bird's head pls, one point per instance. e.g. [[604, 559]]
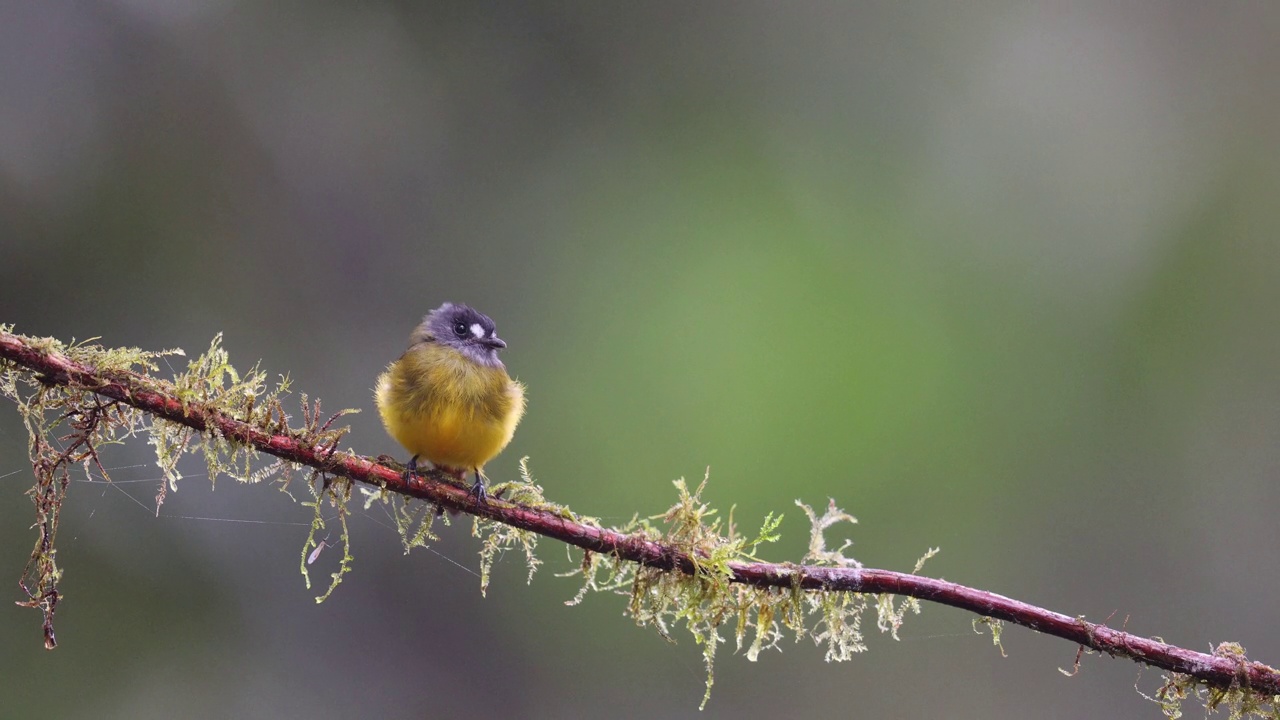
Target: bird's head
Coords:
[[464, 329]]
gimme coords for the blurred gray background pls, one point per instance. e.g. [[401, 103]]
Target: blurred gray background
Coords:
[[1001, 279]]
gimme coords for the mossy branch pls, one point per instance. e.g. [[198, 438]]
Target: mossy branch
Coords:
[[1225, 676]]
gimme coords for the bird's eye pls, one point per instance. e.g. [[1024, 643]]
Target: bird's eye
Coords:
[[460, 329]]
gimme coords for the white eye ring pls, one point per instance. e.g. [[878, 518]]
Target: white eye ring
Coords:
[[477, 330]]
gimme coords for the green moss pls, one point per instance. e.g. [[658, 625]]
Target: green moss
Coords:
[[66, 426], [996, 627], [1238, 700], [337, 493], [705, 601], [496, 538], [70, 424]]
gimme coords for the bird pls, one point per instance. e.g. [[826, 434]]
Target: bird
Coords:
[[448, 399]]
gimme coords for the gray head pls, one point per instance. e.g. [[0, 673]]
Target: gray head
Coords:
[[466, 330]]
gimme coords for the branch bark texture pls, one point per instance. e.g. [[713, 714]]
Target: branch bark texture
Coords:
[[1224, 671]]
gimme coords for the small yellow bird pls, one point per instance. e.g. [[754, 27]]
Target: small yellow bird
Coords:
[[448, 398]]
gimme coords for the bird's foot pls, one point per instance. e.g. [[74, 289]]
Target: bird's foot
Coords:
[[410, 471], [478, 490]]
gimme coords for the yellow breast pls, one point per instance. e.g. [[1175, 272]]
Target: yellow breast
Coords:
[[445, 408]]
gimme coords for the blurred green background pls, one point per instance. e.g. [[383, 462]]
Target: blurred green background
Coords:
[[1000, 278]]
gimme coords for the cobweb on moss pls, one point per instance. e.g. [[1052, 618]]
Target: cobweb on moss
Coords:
[[68, 424]]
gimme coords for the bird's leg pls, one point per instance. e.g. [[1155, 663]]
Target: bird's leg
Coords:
[[410, 469], [477, 490]]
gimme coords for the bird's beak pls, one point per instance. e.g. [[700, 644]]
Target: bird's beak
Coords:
[[494, 342]]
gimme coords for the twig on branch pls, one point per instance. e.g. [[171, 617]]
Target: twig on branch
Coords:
[[1226, 670]]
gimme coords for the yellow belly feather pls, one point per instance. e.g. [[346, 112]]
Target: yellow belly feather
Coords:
[[447, 409]]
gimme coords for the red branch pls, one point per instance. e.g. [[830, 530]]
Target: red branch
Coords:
[[1220, 671]]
